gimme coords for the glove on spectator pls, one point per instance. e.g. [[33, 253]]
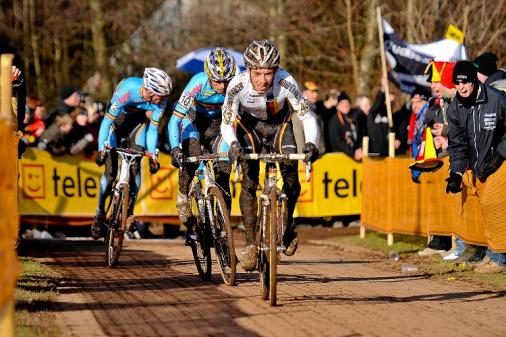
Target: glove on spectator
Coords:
[[454, 183]]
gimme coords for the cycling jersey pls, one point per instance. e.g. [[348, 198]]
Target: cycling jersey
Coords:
[[127, 99], [242, 98], [200, 97]]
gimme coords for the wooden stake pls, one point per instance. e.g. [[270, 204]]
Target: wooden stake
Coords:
[[390, 239], [5, 81]]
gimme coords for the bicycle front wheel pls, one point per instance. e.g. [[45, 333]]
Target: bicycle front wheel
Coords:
[[224, 241], [116, 226], [263, 260], [201, 248], [273, 246]]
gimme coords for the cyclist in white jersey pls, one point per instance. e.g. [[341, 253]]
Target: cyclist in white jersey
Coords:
[[256, 119]]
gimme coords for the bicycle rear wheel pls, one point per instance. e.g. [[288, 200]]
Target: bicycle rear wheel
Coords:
[[224, 241], [201, 248], [273, 246], [116, 226]]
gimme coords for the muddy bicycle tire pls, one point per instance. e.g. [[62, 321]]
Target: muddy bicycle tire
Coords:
[[201, 248], [273, 245], [116, 227], [224, 242]]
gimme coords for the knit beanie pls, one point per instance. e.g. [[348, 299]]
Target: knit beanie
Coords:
[[465, 71], [487, 63]]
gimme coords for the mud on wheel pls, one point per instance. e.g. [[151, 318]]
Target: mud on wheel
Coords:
[[201, 248], [224, 241], [116, 225]]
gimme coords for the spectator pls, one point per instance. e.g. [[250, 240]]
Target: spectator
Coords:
[[488, 72], [480, 151], [69, 101], [401, 120], [377, 124], [443, 90], [359, 115], [419, 105], [34, 120], [342, 136], [325, 110], [54, 139], [81, 139]]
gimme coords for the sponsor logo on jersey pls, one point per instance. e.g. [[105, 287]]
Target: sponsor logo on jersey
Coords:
[[291, 87]]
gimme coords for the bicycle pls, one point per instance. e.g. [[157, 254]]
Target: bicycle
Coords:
[[272, 222], [212, 221], [117, 211]]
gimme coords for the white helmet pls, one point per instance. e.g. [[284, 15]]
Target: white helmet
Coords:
[[261, 54], [157, 81]]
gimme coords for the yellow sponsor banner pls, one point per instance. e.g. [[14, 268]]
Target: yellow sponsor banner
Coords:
[[69, 186]]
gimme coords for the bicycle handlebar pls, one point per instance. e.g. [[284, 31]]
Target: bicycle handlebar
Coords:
[[272, 157], [133, 152], [206, 157]]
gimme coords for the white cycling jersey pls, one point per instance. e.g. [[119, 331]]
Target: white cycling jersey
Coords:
[[241, 98]]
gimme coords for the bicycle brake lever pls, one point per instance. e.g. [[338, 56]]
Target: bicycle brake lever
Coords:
[[308, 172]]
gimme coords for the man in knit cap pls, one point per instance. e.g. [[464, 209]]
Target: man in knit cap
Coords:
[[477, 148], [488, 72]]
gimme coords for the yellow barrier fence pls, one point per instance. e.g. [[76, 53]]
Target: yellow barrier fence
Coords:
[[9, 268], [64, 189], [392, 203]]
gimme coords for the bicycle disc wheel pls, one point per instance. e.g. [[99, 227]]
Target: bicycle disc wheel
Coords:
[[117, 221], [201, 248], [224, 242], [273, 246]]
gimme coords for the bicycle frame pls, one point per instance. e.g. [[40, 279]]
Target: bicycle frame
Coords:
[[202, 192]]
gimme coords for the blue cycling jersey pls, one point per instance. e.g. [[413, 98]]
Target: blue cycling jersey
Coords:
[[198, 95], [127, 99]]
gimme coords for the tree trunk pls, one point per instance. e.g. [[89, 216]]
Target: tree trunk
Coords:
[[409, 21], [276, 9], [35, 50], [351, 41], [26, 36], [100, 49], [369, 51]]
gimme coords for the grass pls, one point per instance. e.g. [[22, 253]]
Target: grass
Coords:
[[35, 292], [434, 266]]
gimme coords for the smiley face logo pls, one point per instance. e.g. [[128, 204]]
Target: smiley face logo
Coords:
[[306, 188], [163, 183], [34, 185]]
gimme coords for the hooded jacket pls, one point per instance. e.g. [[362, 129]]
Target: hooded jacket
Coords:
[[477, 138]]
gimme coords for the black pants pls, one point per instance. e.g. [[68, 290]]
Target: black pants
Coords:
[[257, 136], [210, 138]]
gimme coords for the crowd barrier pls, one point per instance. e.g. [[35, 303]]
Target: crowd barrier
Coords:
[[64, 189], [392, 203]]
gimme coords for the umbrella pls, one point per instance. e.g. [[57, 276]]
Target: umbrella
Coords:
[[193, 62]]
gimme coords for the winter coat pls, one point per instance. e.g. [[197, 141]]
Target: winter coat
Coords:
[[477, 138]]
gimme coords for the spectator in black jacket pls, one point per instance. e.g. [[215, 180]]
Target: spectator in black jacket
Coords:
[[342, 132], [377, 124], [488, 72], [477, 142], [69, 101]]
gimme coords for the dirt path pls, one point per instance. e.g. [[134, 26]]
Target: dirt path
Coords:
[[322, 292]]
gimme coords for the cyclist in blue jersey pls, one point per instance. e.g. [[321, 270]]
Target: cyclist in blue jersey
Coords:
[[196, 122], [134, 98]]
